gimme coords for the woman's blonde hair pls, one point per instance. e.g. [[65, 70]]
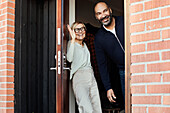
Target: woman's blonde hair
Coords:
[[76, 23]]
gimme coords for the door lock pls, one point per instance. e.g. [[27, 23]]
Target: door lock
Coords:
[[64, 58]]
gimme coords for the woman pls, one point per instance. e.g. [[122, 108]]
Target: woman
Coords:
[[83, 80]]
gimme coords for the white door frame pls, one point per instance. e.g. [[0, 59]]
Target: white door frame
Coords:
[[71, 20]]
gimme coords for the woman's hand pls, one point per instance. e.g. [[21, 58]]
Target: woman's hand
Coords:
[[72, 34]]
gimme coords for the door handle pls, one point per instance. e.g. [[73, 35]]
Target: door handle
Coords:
[[59, 64], [66, 68], [53, 68]]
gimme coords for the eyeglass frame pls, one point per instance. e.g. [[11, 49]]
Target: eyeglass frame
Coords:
[[82, 29]]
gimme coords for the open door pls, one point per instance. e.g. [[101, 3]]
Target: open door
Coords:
[[62, 78]]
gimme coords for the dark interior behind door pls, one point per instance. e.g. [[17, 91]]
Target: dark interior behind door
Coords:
[[35, 36]]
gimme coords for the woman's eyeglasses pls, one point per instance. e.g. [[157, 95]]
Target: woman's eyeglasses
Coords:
[[77, 30]]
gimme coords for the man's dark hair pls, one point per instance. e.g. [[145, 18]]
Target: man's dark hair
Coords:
[[99, 2]]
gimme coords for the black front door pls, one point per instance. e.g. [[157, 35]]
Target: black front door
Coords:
[[35, 39]]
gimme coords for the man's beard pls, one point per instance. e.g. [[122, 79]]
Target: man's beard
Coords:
[[106, 17]]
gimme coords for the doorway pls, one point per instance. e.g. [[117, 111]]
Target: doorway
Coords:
[[83, 11]]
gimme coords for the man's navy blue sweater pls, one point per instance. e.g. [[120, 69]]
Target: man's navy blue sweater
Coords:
[[106, 45]]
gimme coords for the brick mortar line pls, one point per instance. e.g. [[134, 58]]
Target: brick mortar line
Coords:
[[6, 101], [146, 47], [11, 1], [145, 74], [143, 11], [148, 94], [150, 52], [7, 57], [149, 105], [7, 7], [7, 64], [7, 20], [162, 78], [8, 1], [160, 56], [7, 95], [151, 83], [6, 88], [148, 10], [149, 31], [10, 32], [150, 41], [7, 38], [146, 90], [149, 73], [160, 13], [145, 67], [139, 2], [10, 38], [162, 99], [147, 110], [6, 107], [7, 13], [7, 44], [150, 20], [8, 82], [6, 76], [7, 26], [7, 32], [7, 70], [7, 51], [150, 62]]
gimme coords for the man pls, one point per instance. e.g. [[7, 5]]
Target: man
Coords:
[[109, 43]]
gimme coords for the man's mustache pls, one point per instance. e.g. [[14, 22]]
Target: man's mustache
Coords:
[[104, 17]]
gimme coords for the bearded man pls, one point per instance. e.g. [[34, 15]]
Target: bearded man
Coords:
[[109, 43]]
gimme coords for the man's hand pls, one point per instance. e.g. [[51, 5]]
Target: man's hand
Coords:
[[111, 95]]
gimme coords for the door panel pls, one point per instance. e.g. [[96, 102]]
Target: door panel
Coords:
[[35, 36], [62, 79], [37, 88]]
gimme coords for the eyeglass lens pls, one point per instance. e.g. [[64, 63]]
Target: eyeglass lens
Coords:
[[79, 29]]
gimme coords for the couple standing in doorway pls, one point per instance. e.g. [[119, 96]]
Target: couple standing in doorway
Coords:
[[109, 43]]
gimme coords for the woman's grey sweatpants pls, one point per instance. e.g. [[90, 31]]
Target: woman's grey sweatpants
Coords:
[[86, 91]]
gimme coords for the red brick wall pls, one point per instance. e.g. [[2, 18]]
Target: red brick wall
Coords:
[[7, 11], [150, 55]]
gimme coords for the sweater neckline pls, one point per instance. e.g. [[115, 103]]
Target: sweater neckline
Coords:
[[80, 45]]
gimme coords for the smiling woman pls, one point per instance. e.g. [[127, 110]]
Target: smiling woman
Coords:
[[83, 80]]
